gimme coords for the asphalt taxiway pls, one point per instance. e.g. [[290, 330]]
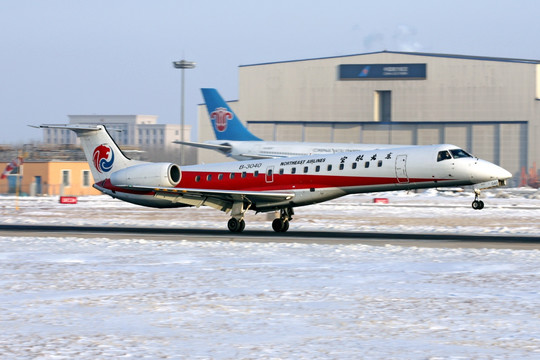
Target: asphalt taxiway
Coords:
[[319, 237]]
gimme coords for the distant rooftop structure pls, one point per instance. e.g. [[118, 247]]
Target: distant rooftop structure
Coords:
[[130, 130]]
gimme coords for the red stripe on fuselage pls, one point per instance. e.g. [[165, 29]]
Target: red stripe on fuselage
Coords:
[[262, 182]]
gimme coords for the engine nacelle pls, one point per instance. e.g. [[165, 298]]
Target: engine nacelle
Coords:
[[150, 174]]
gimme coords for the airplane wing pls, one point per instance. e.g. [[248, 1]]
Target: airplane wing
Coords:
[[225, 148], [218, 199], [257, 156], [221, 147]]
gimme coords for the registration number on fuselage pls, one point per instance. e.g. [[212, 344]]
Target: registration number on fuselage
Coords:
[[250, 166]]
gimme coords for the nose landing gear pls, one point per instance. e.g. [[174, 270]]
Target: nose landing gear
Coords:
[[477, 204]]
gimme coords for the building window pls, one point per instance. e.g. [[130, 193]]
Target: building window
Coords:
[[86, 178], [66, 177]]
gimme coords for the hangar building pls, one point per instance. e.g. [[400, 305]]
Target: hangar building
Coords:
[[488, 106]]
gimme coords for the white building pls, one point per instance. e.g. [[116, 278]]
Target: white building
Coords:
[[133, 131], [489, 106]]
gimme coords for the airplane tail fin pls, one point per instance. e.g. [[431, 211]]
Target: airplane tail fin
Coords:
[[101, 151], [224, 121]]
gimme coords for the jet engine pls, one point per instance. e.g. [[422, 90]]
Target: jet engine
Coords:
[[150, 174]]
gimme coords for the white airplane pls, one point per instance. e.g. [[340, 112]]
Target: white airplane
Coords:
[[236, 141], [279, 185]]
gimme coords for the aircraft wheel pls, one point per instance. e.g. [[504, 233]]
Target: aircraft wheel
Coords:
[[280, 225], [235, 225], [285, 226], [242, 225], [277, 225], [477, 204]]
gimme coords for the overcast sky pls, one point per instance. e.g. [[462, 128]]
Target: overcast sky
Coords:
[[115, 56]]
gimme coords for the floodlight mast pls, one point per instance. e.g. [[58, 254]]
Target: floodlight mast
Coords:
[[182, 64]]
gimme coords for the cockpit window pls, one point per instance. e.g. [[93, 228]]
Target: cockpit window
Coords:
[[459, 153], [443, 155]]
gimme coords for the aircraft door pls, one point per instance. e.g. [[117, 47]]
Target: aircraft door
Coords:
[[401, 169], [270, 174]]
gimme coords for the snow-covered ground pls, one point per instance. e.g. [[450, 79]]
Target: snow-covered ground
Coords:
[[74, 298], [97, 298]]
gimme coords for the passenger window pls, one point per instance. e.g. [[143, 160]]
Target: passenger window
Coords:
[[306, 169], [269, 172], [443, 155], [329, 168], [197, 178], [317, 168], [244, 174], [256, 173], [208, 177], [354, 165], [220, 177], [379, 163], [341, 166], [293, 170], [281, 171], [366, 164]]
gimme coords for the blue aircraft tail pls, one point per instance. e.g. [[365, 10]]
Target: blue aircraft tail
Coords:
[[224, 121]]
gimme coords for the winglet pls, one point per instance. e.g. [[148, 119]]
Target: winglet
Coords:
[[224, 121]]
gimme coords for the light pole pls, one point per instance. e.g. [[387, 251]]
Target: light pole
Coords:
[[182, 64]]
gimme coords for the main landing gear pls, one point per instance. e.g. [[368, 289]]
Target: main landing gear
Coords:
[[281, 223], [236, 223], [477, 204]]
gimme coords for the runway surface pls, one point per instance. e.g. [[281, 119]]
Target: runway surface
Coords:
[[320, 237]]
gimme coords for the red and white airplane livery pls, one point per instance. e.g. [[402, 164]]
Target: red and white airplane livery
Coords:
[[282, 184]]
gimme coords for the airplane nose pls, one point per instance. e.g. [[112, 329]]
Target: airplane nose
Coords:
[[487, 171], [504, 174]]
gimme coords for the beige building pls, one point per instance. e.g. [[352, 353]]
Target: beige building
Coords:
[[488, 106], [71, 178]]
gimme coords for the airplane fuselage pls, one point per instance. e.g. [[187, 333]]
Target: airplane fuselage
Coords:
[[316, 178]]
